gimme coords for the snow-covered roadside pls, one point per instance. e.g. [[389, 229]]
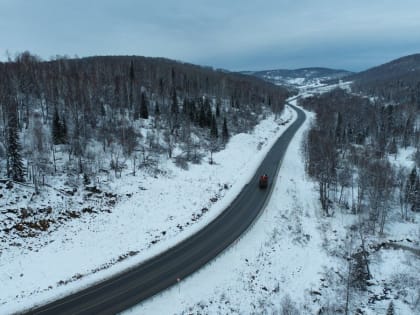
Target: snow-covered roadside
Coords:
[[157, 213], [294, 256], [280, 255]]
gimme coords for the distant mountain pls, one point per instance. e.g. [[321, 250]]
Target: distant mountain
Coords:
[[299, 77], [396, 81], [408, 66]]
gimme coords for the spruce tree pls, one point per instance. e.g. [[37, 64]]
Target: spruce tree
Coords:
[[64, 131], [56, 128], [390, 310], [174, 110], [213, 128], [208, 113], [192, 111], [416, 196], [410, 186], [144, 112], [15, 169], [131, 92], [174, 105], [157, 110], [185, 107], [218, 108], [202, 116], [225, 131], [59, 129]]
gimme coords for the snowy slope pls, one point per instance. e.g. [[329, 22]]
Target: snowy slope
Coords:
[[295, 258], [280, 255], [293, 255], [300, 77], [154, 213]]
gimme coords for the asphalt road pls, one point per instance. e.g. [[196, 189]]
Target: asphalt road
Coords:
[[133, 286]]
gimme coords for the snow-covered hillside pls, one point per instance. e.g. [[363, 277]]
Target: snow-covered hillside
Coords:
[[300, 77], [144, 215], [293, 258], [280, 256]]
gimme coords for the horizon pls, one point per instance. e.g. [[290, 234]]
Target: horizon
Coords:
[[56, 57], [236, 36]]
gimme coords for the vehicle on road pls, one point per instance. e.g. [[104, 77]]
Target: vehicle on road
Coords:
[[263, 182]]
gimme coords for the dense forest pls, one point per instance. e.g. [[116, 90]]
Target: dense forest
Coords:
[[130, 108]]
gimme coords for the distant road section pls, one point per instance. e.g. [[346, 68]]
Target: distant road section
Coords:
[[155, 275]]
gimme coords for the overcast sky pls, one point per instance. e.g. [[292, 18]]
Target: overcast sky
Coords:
[[230, 34]]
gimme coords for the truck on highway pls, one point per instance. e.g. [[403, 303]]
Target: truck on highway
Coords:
[[263, 182]]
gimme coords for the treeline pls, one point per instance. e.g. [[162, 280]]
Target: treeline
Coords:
[[348, 149], [127, 104]]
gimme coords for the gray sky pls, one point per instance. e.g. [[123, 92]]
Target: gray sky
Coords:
[[230, 34]]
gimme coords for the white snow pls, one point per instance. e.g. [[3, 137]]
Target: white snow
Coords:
[[291, 250], [157, 213], [281, 254]]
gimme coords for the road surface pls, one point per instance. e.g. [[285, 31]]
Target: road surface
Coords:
[[139, 283]]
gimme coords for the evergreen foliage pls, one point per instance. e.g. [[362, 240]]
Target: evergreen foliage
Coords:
[[64, 131], [15, 169], [225, 131], [144, 112], [213, 129], [157, 110], [202, 121], [218, 104], [416, 203], [58, 129], [412, 190], [96, 99], [390, 310], [174, 105]]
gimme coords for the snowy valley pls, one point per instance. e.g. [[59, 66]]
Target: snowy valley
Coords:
[[115, 204]]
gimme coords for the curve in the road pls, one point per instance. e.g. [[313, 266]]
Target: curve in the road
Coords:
[[160, 272]]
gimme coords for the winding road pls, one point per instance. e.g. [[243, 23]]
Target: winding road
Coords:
[[160, 272]]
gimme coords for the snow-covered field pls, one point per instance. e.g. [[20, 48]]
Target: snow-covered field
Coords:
[[152, 213]]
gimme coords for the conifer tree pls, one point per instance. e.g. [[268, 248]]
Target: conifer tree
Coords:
[[390, 310], [59, 129], [185, 107], [218, 108], [208, 113], [157, 110], [213, 128], [15, 169], [410, 187], [416, 196], [144, 112], [56, 128], [202, 117], [64, 131], [174, 110], [225, 131], [192, 111], [131, 91], [174, 105]]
